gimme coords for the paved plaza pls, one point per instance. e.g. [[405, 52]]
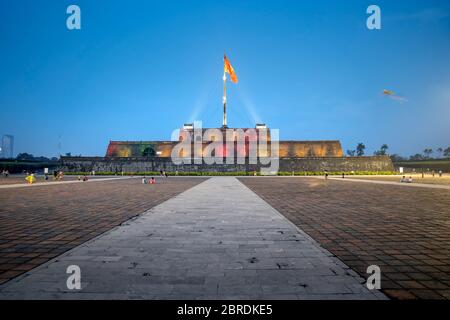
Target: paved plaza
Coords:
[[225, 238], [217, 240], [404, 229], [38, 223]]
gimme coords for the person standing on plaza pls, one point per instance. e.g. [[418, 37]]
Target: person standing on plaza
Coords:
[[30, 178]]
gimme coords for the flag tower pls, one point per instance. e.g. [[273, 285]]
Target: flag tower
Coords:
[[227, 68]]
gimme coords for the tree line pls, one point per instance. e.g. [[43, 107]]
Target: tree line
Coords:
[[426, 153], [29, 157]]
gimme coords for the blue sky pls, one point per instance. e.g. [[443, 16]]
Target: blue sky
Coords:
[[137, 70]]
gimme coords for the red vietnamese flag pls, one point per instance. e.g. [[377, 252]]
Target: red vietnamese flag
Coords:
[[227, 68]]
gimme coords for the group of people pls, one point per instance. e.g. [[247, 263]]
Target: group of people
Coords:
[[433, 173], [30, 177], [58, 175], [407, 180], [163, 173], [152, 180], [145, 180], [84, 178]]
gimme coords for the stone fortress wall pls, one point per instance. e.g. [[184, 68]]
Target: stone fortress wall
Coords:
[[154, 156], [155, 164]]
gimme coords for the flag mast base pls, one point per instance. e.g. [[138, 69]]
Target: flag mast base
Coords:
[[224, 123]]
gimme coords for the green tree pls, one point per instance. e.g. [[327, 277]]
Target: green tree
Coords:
[[447, 152], [397, 158], [25, 156], [148, 152], [440, 151], [382, 150], [351, 153], [417, 156], [427, 152], [360, 149]]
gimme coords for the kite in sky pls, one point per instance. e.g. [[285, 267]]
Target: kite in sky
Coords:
[[392, 95]]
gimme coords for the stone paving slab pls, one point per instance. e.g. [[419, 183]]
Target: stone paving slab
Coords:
[[217, 240]]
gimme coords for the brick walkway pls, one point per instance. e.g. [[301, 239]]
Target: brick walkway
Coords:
[[39, 223], [406, 231]]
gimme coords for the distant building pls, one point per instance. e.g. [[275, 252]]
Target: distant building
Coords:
[[7, 146]]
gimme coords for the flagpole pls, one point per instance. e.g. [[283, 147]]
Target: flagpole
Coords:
[[224, 125]]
